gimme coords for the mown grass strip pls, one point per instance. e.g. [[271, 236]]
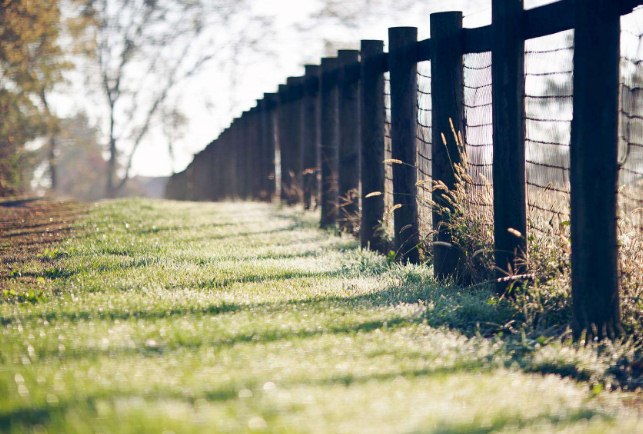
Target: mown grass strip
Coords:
[[191, 317]]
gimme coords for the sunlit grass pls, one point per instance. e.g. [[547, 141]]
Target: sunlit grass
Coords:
[[190, 317]]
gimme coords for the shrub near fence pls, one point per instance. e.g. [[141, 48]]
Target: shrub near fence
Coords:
[[404, 128]]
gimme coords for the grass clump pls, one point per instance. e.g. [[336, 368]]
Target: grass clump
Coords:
[[545, 302]]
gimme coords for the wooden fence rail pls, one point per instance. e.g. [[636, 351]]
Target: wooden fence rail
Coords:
[[320, 142]]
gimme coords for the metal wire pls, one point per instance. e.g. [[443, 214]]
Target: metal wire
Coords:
[[631, 120], [423, 145], [548, 116], [388, 168], [478, 134]]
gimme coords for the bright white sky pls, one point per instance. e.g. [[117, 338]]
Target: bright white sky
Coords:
[[210, 103]]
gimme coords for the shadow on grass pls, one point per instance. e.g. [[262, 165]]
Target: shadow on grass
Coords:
[[517, 423], [465, 311], [43, 413], [263, 337]]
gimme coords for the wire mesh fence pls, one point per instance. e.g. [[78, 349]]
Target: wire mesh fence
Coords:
[[424, 143], [388, 168], [548, 116], [631, 120], [478, 134]]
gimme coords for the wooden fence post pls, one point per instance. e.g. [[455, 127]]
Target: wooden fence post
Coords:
[[329, 142], [258, 153], [250, 154], [372, 114], [509, 195], [243, 159], [310, 134], [220, 155], [349, 139], [260, 146], [243, 156], [594, 170], [210, 170], [447, 99], [270, 134], [295, 144], [403, 70], [232, 158], [284, 142], [230, 168], [254, 153], [218, 164], [238, 158]]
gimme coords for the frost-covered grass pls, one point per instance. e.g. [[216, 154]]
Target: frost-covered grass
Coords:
[[189, 317]]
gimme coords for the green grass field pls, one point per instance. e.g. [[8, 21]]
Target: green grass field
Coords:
[[161, 317]]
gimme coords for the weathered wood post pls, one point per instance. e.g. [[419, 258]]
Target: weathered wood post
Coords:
[[234, 166], [258, 157], [403, 70], [218, 163], [216, 168], [329, 142], [509, 195], [198, 176], [594, 169], [254, 155], [284, 142], [295, 144], [372, 115], [211, 149], [310, 134], [250, 154], [447, 99], [349, 139], [228, 168], [221, 165], [271, 146], [261, 154], [243, 156]]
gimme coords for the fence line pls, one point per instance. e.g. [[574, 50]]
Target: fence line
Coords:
[[375, 132]]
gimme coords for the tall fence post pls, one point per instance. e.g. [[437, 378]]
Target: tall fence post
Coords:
[[211, 169], [254, 152], [284, 142], [231, 167], [242, 175], [403, 70], [233, 152], [372, 120], [349, 139], [594, 169], [329, 142], [262, 155], [243, 156], [447, 99], [218, 165], [310, 134], [509, 194], [295, 85], [244, 178], [271, 146]]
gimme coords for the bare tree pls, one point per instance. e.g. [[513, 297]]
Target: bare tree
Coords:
[[144, 49]]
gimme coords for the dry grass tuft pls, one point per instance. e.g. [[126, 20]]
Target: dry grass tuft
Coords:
[[467, 212]]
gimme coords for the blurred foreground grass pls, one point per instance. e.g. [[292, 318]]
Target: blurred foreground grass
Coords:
[[163, 317]]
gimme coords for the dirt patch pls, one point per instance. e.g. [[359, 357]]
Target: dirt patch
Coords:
[[30, 230]]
